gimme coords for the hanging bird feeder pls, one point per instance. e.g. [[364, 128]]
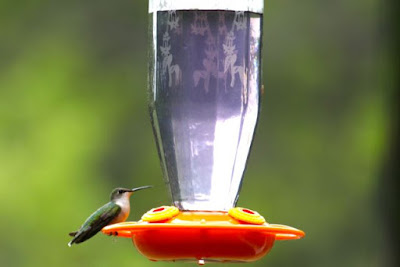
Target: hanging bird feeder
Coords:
[[204, 99]]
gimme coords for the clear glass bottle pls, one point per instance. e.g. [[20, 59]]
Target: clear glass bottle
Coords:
[[204, 94]]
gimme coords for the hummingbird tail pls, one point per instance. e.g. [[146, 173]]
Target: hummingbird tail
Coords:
[[70, 244]]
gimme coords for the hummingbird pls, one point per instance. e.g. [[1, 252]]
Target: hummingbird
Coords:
[[115, 211]]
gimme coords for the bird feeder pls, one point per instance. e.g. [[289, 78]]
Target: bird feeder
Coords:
[[204, 100]]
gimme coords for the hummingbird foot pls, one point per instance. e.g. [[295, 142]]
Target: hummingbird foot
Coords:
[[73, 234]]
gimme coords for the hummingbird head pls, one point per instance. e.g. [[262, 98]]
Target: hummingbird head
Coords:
[[120, 192]]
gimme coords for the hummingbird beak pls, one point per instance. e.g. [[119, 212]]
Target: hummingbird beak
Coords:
[[140, 188]]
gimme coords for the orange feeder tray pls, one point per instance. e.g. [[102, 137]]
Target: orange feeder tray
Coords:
[[167, 234]]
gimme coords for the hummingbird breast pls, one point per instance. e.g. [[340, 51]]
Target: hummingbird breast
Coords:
[[124, 213]]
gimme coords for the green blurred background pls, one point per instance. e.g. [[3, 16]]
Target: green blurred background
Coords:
[[74, 124]]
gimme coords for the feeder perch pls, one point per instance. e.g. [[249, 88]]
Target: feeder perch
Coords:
[[204, 100]]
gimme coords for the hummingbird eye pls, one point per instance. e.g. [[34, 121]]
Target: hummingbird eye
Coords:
[[120, 191]]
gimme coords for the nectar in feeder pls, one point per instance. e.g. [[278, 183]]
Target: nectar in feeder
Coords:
[[204, 100]]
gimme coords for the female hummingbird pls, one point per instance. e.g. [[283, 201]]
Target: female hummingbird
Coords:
[[115, 211]]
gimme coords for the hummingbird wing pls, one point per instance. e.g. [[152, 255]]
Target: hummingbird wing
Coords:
[[100, 218]]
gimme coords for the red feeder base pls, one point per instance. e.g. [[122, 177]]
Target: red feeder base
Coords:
[[203, 236]]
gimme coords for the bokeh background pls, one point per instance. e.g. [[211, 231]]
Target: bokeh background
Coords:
[[74, 124]]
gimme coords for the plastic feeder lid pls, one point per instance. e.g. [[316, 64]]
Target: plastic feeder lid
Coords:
[[202, 236]]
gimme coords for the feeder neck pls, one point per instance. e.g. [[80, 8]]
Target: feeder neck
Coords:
[[256, 6]]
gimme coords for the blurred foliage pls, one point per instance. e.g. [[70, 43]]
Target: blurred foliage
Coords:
[[74, 124]]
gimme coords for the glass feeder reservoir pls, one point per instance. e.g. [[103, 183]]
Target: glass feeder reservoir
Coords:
[[204, 100]]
